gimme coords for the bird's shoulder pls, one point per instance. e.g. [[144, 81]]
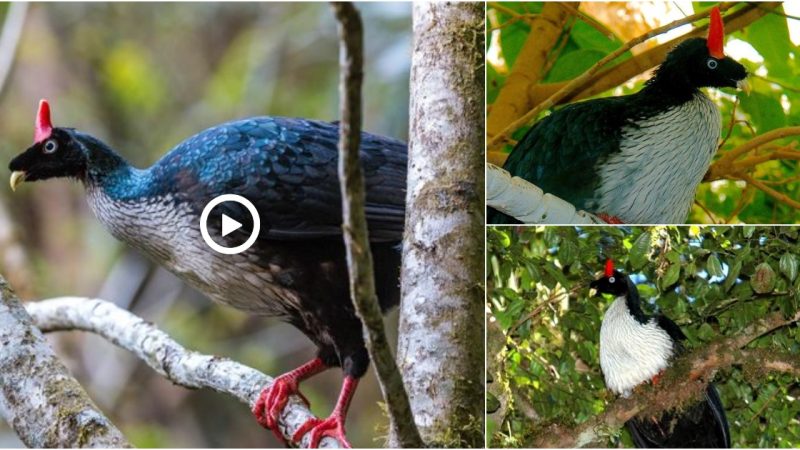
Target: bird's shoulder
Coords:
[[571, 141]]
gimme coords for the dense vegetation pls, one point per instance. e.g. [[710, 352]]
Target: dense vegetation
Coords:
[[713, 281]]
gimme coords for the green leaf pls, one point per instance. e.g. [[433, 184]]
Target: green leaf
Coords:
[[788, 266], [572, 64], [671, 276], [765, 111], [763, 280], [713, 266], [640, 251], [769, 35], [733, 273]]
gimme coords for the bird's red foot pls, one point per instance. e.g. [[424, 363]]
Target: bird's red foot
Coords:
[[656, 378], [614, 220], [333, 426], [274, 397]]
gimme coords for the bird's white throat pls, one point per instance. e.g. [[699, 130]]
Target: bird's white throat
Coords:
[[631, 352]]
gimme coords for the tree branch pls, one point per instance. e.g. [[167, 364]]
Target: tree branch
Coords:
[[684, 381], [528, 69], [168, 358], [524, 201], [359, 257], [41, 401]]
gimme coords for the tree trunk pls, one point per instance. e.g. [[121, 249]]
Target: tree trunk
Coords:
[[440, 348], [41, 401]]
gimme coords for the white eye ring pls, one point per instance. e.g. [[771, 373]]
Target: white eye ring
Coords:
[[712, 64], [50, 146], [611, 279]]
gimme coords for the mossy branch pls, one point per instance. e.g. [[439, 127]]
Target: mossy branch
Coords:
[[359, 256]]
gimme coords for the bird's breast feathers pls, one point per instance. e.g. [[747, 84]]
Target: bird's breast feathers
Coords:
[[662, 159], [631, 352]]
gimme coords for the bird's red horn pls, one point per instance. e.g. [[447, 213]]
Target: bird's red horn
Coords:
[[716, 33], [43, 127], [609, 267]]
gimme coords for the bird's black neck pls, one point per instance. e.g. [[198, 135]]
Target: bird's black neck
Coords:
[[107, 170], [633, 302], [670, 82]]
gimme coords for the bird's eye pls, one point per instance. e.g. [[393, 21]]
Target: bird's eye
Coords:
[[50, 146], [611, 279], [712, 63]]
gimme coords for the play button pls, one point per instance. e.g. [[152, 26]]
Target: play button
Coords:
[[229, 225]]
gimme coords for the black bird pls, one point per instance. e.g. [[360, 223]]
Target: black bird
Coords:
[[636, 158], [636, 348], [296, 270]]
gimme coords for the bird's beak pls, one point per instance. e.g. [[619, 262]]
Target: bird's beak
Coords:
[[592, 292], [17, 177], [743, 85]]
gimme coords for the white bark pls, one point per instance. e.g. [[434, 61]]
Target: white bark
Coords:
[[440, 348], [165, 356], [527, 203], [41, 401]]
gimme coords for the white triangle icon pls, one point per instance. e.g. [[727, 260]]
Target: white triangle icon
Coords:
[[229, 225]]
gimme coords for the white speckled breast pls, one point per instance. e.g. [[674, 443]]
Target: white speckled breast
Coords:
[[654, 178], [631, 352], [169, 234]]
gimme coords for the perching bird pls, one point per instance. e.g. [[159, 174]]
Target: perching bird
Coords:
[[636, 348], [296, 270], [636, 158]]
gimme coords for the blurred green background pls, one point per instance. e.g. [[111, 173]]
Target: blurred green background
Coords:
[[143, 77], [767, 47], [544, 327]]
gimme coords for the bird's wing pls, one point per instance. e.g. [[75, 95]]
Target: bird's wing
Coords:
[[561, 152], [288, 169], [673, 330]]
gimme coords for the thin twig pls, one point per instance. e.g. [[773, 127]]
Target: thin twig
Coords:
[[783, 198], [359, 257], [9, 39]]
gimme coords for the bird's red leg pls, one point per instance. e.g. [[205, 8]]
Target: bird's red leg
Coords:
[[614, 220], [333, 426], [273, 398]]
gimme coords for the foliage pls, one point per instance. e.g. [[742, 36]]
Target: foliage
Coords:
[[773, 103], [712, 281]]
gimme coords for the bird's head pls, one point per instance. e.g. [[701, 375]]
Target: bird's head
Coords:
[[613, 282], [56, 152], [699, 62]]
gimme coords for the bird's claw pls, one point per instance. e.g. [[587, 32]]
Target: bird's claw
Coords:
[[333, 427], [273, 400]]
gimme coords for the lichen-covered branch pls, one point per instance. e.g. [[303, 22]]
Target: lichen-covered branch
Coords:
[[527, 203], [165, 356], [441, 345], [359, 257], [684, 381], [41, 401]]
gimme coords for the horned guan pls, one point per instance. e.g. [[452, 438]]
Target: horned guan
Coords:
[[636, 348], [296, 270], [636, 158]]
